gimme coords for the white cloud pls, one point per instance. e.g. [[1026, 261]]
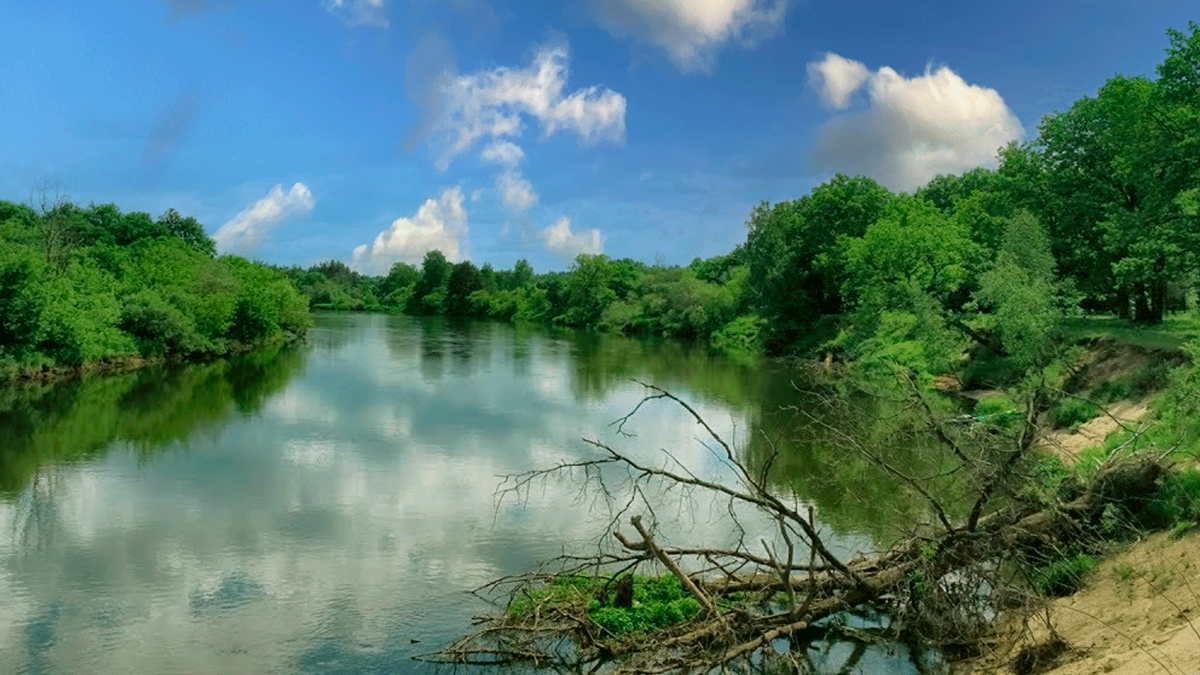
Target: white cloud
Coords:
[[438, 224], [692, 31], [359, 12], [914, 128], [836, 78], [516, 192], [503, 152], [491, 103], [559, 239], [247, 229]]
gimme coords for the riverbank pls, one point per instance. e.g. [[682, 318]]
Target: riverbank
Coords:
[[1138, 613], [51, 373]]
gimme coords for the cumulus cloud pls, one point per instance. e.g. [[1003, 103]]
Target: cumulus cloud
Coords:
[[559, 238], [438, 224], [835, 78], [491, 103], [913, 128], [692, 31], [516, 192], [359, 12], [246, 230]]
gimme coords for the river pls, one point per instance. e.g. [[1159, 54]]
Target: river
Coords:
[[325, 508]]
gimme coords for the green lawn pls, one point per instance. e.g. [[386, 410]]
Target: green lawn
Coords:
[[1169, 335]]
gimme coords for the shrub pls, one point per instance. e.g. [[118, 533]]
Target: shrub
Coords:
[[159, 327], [743, 334], [995, 408], [1177, 499], [1071, 411], [1064, 577], [657, 603]]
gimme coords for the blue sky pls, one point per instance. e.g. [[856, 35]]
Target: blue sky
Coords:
[[369, 131]]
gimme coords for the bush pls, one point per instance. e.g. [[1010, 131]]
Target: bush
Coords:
[[994, 405], [657, 603], [158, 327], [1177, 499], [1071, 411], [743, 334], [1064, 577]]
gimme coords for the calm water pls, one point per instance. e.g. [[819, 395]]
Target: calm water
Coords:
[[324, 509]]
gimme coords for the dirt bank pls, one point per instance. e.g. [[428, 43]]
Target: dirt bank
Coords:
[[1139, 613]]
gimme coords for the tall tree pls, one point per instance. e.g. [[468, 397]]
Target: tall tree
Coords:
[[464, 280], [792, 249]]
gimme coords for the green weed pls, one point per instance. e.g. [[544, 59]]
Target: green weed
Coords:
[[1064, 577]]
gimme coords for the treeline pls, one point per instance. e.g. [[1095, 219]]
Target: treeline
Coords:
[[1099, 213], [80, 285]]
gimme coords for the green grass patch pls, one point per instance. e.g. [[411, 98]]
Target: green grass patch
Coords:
[[1152, 377], [1176, 500], [560, 591], [1069, 412], [1169, 335], [1065, 576], [658, 602]]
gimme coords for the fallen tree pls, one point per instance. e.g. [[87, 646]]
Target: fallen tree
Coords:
[[728, 608]]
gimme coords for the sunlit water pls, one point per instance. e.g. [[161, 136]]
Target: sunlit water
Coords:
[[326, 508]]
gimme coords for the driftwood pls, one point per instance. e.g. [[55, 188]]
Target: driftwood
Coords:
[[917, 577]]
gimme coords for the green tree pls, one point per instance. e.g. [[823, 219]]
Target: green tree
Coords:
[[188, 230], [1023, 294], [464, 280], [586, 293], [794, 256], [430, 292]]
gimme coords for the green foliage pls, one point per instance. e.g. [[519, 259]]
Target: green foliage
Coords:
[[995, 405], [743, 334], [429, 294], [159, 327], [21, 300], [1065, 576], [1022, 294], [1069, 412], [79, 286], [464, 279], [795, 258], [1176, 499], [657, 603], [588, 292]]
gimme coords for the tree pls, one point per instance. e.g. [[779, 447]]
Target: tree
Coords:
[[793, 251], [1116, 164], [429, 294], [464, 280], [1023, 294], [400, 281], [188, 230], [587, 293]]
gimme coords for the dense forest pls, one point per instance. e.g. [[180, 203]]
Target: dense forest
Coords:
[[84, 286], [1099, 213]]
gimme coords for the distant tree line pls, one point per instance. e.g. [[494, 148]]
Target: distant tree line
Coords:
[[1099, 213], [85, 284]]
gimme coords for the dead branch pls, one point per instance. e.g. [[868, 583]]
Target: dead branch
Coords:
[[919, 577]]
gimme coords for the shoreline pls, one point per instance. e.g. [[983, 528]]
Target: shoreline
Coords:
[[115, 365]]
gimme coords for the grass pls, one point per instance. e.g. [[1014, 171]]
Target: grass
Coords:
[[658, 602], [1072, 412], [1175, 330], [1065, 576]]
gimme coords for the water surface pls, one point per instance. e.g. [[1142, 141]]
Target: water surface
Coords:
[[325, 508]]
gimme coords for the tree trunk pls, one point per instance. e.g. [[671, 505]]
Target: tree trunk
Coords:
[[1141, 304]]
